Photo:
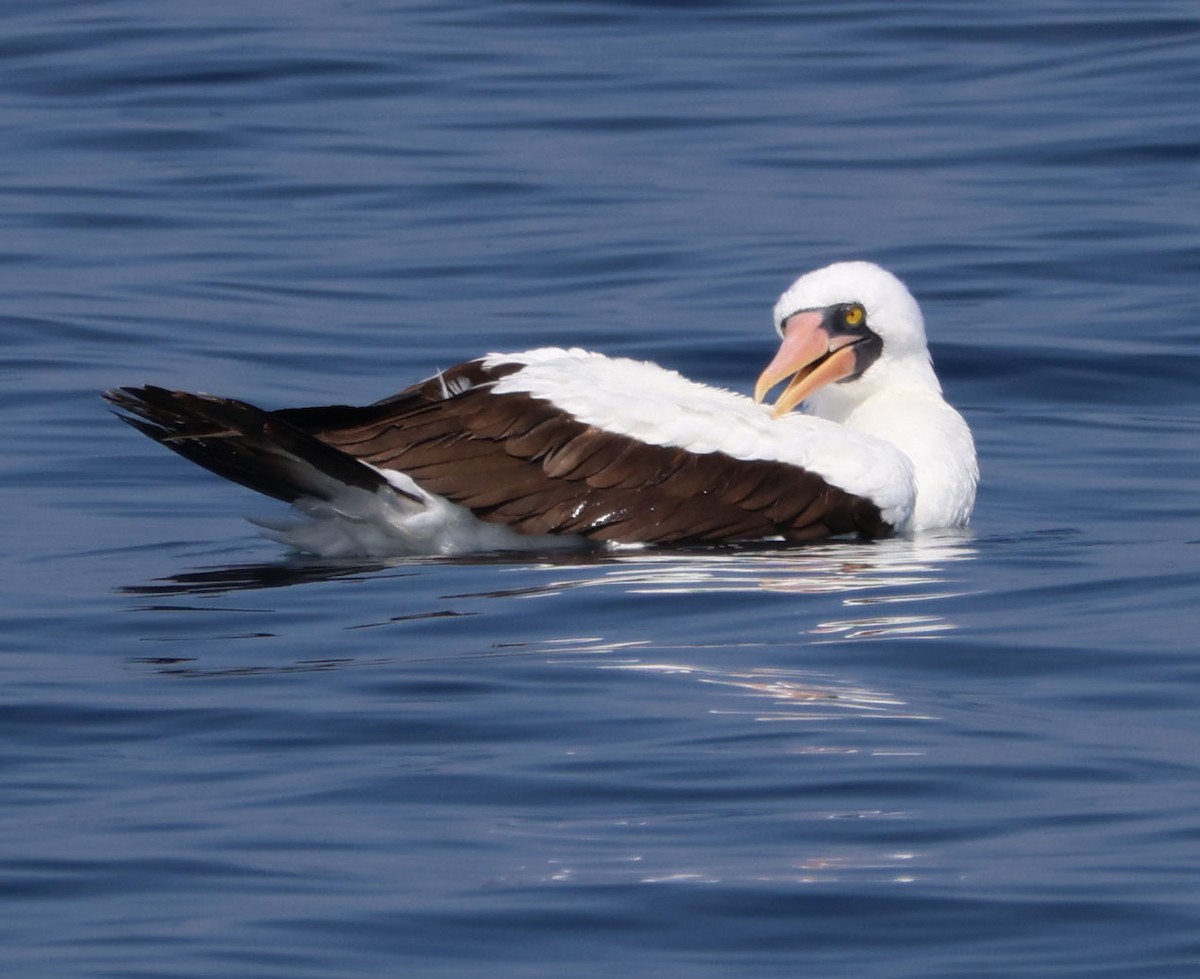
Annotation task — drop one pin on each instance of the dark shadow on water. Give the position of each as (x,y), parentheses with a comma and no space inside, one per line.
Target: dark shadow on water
(300,570)
(253,577)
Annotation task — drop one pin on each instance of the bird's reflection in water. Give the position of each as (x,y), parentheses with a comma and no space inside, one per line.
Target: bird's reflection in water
(869,578)
(879,572)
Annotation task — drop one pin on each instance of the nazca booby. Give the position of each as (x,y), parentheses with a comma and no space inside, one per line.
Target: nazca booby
(561,447)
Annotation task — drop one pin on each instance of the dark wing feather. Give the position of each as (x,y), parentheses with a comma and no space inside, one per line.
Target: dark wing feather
(245,444)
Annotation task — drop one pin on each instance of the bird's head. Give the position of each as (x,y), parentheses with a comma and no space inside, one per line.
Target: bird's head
(853,324)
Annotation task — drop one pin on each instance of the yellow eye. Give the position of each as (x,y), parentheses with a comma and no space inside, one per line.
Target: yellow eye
(854,315)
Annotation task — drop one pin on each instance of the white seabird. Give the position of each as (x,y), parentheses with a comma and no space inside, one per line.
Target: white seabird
(563,447)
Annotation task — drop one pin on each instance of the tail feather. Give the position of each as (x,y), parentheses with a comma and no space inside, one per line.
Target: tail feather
(247,445)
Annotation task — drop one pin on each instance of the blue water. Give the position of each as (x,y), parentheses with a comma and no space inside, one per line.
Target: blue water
(970,755)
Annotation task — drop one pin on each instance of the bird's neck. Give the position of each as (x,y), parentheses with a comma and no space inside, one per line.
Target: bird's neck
(912,415)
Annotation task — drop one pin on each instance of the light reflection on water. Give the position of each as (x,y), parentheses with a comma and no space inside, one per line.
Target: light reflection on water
(790,706)
(819,569)
(794,695)
(900,571)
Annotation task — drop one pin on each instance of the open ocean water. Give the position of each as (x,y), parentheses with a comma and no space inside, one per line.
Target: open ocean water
(966,755)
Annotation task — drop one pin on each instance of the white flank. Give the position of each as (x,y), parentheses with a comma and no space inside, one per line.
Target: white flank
(360,523)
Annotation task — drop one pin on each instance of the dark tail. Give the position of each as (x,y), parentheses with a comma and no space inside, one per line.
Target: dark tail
(245,444)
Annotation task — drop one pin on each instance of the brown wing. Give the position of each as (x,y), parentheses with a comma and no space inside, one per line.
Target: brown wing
(517,460)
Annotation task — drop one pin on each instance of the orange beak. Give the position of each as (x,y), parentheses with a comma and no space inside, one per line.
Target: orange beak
(811,354)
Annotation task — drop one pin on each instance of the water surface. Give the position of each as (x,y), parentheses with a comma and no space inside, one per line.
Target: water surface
(969,754)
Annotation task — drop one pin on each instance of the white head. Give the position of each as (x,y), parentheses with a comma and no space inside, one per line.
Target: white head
(851,324)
